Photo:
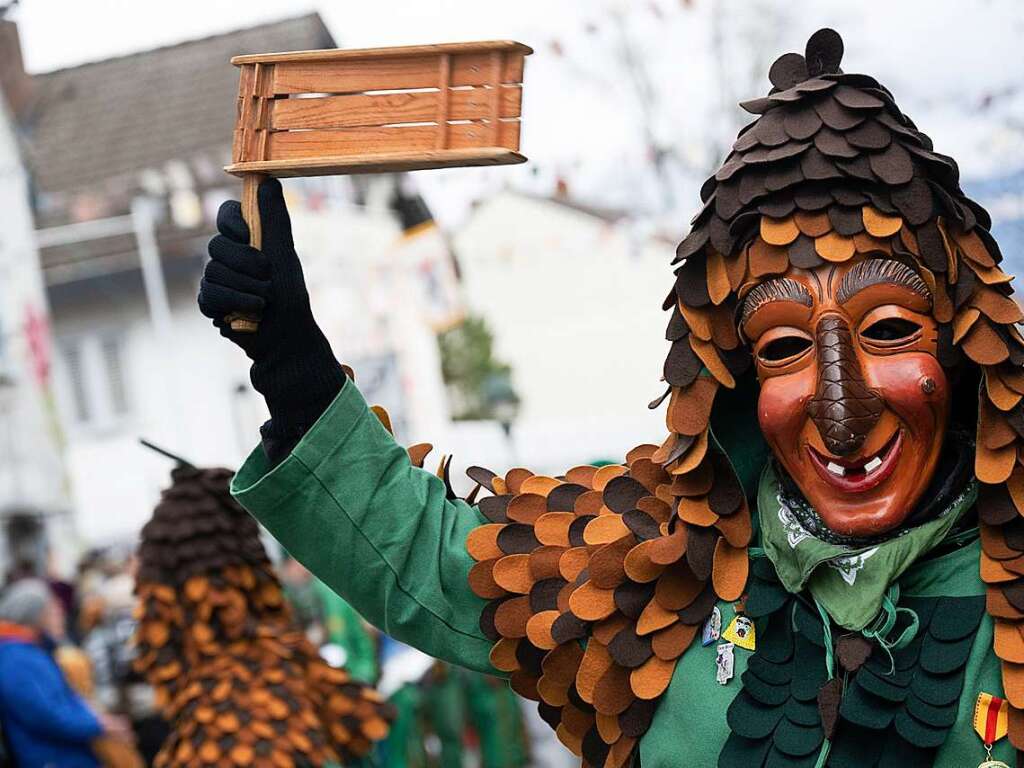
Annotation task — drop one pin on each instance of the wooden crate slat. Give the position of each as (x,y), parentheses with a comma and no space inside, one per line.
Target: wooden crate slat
(444,77)
(495,64)
(396,51)
(297,145)
(388,74)
(467,135)
(475,69)
(245,90)
(380,162)
(356,110)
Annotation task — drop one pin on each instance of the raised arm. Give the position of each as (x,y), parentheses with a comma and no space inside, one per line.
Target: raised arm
(329,482)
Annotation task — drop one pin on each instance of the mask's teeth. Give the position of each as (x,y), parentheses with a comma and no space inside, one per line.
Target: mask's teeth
(835,469)
(872,465)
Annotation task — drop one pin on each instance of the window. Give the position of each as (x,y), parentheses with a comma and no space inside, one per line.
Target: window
(111,348)
(96,386)
(76,381)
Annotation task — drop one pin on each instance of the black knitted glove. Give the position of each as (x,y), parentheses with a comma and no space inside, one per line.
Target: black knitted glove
(293,366)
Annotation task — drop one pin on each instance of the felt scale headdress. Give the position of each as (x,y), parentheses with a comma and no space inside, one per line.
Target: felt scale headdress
(236,679)
(630,559)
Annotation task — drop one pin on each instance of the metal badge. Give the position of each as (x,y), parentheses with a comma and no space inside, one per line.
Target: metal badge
(712,630)
(724,663)
(740,632)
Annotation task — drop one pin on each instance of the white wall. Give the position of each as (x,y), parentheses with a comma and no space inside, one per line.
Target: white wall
(31,471)
(575,307)
(180,396)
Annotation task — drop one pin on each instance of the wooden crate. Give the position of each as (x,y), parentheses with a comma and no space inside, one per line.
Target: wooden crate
(324,112)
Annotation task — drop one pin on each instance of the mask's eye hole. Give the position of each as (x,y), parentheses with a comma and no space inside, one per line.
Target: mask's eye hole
(891,329)
(783,348)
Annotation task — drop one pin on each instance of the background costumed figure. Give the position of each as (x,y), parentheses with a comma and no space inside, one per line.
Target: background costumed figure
(238,681)
(836,496)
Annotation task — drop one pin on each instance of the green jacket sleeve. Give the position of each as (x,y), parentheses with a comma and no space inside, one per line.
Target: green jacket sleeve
(349,505)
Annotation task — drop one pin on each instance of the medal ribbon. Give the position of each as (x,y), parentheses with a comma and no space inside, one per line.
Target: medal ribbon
(990,718)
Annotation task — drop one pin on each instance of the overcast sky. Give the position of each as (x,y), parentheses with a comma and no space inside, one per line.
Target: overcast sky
(956,67)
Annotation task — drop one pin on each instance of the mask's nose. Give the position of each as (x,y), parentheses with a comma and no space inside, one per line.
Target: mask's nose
(843,408)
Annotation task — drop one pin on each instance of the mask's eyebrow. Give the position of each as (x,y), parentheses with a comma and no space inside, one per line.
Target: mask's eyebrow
(780,289)
(881,272)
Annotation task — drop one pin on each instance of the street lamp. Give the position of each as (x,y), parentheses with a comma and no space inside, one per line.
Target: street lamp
(503,404)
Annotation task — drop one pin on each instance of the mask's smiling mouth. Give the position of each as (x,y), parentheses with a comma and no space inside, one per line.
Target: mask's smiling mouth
(859,474)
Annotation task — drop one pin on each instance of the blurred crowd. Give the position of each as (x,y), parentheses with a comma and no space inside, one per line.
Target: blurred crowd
(69,696)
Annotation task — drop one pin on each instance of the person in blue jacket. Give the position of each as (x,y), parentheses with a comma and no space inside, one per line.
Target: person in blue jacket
(44,722)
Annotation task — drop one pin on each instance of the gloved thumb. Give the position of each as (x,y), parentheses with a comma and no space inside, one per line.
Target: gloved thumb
(276,224)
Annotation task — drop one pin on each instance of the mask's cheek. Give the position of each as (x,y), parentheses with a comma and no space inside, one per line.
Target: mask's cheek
(914,387)
(782,413)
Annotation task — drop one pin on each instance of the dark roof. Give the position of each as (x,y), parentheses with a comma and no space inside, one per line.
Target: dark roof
(109,119)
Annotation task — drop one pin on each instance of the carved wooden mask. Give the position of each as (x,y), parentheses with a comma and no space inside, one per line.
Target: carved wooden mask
(853,401)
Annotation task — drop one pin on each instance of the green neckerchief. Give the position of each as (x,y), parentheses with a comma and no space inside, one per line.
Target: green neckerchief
(849,582)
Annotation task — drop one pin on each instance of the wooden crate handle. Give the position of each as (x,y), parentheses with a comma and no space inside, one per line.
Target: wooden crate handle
(251,213)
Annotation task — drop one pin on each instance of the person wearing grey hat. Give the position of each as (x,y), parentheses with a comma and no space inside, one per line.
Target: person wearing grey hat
(44,722)
(31,603)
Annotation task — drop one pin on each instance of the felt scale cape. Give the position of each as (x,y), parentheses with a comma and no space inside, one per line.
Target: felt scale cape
(236,679)
(599,579)
(897,708)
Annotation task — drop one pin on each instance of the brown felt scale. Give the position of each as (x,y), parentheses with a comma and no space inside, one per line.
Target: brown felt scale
(634,557)
(237,680)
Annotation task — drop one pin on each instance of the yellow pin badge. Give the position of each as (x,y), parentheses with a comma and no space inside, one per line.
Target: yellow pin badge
(990,723)
(740,632)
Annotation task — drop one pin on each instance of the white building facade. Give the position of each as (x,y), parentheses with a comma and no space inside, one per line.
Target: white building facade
(34,502)
(573,298)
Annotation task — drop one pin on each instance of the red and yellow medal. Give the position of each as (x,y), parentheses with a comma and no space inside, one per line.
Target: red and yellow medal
(990,723)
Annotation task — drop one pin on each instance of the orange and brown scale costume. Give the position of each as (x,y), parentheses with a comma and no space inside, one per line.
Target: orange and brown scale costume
(237,680)
(599,579)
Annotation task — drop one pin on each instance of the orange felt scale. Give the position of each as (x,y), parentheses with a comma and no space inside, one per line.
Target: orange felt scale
(689,410)
(963,323)
(691,461)
(639,566)
(527,506)
(812,224)
(865,243)
(766,259)
(993,430)
(736,268)
(729,574)
(708,354)
(878,224)
(698,320)
(778,231)
(996,307)
(512,573)
(994,572)
(515,478)
(984,346)
(696,512)
(719,284)
(1000,392)
(834,247)
(994,466)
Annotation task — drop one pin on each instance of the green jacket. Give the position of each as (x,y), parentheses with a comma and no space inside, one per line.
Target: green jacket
(348,504)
